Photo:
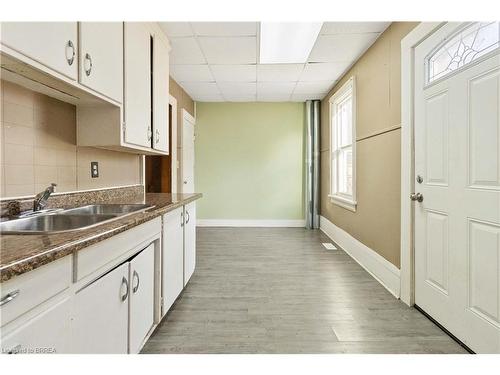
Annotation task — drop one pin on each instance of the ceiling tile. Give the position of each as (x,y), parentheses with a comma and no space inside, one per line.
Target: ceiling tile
(265,97)
(341,48)
(275,88)
(191,73)
(225,28)
(185,51)
(240,98)
(240,50)
(304,97)
(174,29)
(237,88)
(200,88)
(353,27)
(318,87)
(234,73)
(323,71)
(208,98)
(279,72)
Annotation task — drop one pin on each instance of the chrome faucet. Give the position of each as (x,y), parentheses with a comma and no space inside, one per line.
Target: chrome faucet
(41,198)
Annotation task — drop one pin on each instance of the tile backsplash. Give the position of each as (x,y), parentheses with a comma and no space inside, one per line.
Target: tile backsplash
(38,146)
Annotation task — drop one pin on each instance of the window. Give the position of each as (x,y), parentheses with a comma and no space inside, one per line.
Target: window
(469,44)
(343,146)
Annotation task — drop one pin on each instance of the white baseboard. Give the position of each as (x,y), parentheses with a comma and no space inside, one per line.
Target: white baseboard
(250,223)
(381,269)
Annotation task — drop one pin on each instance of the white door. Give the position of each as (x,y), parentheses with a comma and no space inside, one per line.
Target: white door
(137,95)
(101,58)
(100,317)
(141,297)
(187,153)
(189,240)
(457,167)
(46,333)
(160,95)
(53,44)
(173,257)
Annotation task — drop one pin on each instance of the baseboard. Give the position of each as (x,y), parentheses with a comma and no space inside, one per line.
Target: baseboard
(381,269)
(250,223)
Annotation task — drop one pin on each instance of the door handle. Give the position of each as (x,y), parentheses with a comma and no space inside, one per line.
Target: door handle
(88,69)
(70,46)
(187,214)
(135,275)
(125,282)
(417,197)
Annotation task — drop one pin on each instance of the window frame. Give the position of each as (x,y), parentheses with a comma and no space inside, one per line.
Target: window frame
(341,199)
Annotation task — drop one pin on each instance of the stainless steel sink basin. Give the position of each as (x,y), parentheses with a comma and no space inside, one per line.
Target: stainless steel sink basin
(105,209)
(55,223)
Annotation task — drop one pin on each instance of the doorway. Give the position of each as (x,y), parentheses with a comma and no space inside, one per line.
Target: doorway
(456,196)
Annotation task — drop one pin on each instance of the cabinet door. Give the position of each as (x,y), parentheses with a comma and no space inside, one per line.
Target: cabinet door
(101,58)
(137,95)
(100,321)
(160,95)
(189,241)
(53,44)
(141,297)
(46,333)
(173,257)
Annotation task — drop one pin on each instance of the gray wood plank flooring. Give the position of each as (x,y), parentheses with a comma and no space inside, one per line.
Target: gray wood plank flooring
(278,290)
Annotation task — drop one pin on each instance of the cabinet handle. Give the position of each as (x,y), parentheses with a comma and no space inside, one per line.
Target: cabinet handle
(15,350)
(182,219)
(125,282)
(71,46)
(157,136)
(89,69)
(9,297)
(135,275)
(188,217)
(150,133)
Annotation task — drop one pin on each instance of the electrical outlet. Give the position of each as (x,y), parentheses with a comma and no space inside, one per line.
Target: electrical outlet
(94,169)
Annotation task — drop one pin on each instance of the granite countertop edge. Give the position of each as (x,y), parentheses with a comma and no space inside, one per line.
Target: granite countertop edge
(55,252)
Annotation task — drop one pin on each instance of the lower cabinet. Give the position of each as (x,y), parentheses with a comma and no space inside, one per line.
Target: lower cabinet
(114,314)
(46,333)
(189,241)
(173,257)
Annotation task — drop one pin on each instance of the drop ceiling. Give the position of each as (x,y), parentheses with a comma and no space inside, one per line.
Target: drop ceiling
(219,61)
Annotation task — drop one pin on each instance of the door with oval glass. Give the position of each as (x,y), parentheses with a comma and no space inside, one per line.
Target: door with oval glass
(457,197)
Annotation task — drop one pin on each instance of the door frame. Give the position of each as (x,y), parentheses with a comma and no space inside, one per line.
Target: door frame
(185,116)
(408,45)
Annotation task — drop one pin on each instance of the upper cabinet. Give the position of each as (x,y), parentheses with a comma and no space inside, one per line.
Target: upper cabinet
(52,44)
(101,58)
(137,103)
(160,93)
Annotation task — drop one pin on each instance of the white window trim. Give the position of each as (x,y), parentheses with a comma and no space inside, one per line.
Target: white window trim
(342,200)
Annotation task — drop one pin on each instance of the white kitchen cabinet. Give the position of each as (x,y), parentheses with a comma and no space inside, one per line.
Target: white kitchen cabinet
(160,94)
(141,276)
(173,257)
(53,44)
(101,58)
(189,240)
(48,332)
(137,95)
(100,321)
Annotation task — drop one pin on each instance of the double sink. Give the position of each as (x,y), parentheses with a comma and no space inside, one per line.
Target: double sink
(72,219)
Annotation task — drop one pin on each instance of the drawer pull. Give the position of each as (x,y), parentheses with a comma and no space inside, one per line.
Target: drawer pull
(9,297)
(134,276)
(125,282)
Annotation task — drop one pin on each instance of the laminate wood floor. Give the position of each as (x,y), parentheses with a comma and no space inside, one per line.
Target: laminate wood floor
(278,290)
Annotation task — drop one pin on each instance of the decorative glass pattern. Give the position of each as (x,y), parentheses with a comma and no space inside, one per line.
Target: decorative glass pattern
(468,45)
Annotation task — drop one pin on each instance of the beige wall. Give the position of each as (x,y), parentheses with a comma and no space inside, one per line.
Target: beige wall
(183,101)
(376,222)
(38,146)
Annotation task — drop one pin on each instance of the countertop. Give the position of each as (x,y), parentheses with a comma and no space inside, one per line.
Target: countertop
(23,253)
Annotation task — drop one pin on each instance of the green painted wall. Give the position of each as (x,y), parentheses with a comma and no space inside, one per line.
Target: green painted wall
(250,160)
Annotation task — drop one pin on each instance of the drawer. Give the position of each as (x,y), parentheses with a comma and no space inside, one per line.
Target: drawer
(108,253)
(32,288)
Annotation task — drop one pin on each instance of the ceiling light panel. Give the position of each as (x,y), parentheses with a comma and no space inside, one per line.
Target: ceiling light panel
(287,42)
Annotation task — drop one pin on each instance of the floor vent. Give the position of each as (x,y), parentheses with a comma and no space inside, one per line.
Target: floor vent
(329,246)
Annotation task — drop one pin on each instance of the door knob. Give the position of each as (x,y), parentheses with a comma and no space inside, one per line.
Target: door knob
(417,197)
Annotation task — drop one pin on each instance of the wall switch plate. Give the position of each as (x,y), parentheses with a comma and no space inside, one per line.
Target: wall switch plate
(94,169)
(329,246)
